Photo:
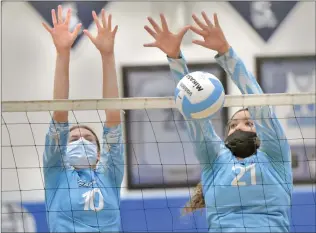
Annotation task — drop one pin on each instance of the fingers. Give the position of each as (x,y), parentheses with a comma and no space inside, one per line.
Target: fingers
(88,34)
(106,22)
(198,31)
(114,31)
(48,28)
(216,22)
(68,17)
(110,22)
(60,14)
(103,18)
(59,18)
(154,24)
(150,31)
(96,20)
(199,42)
(206,19)
(150,45)
(76,31)
(199,23)
(183,31)
(164,23)
(54,19)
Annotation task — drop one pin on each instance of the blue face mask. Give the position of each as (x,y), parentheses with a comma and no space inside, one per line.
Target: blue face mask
(82,153)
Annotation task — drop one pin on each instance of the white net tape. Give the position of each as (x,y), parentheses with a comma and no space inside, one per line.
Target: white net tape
(154,102)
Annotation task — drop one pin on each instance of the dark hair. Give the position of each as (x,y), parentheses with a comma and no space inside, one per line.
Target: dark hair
(197,200)
(91,130)
(228,123)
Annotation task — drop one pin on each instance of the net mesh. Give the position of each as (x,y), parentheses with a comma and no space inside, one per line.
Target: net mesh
(158,152)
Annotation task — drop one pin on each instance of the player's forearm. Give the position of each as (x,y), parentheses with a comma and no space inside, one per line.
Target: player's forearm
(178,67)
(61,83)
(53,156)
(113,152)
(110,88)
(207,143)
(237,71)
(55,142)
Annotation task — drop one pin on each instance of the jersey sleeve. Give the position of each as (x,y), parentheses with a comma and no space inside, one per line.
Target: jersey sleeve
(55,148)
(272,137)
(112,155)
(208,145)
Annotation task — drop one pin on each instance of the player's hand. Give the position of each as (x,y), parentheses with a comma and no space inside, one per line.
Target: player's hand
(62,37)
(166,41)
(104,41)
(212,34)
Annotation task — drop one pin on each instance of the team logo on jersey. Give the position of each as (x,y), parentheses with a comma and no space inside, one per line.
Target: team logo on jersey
(83,183)
(264,16)
(81,13)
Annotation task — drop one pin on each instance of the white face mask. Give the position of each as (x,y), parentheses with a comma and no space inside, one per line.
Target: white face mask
(82,153)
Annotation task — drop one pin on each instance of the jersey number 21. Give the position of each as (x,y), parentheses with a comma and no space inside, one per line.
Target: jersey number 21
(89,200)
(242,170)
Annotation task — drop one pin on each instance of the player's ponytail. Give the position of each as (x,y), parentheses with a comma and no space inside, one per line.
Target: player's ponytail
(196,201)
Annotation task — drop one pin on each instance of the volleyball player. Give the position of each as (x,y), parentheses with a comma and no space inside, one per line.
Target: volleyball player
(82,183)
(246,180)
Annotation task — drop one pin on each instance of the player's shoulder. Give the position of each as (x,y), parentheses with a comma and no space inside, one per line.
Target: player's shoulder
(224,156)
(261,156)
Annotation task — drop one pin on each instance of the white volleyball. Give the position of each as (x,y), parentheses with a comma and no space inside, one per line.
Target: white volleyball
(199,95)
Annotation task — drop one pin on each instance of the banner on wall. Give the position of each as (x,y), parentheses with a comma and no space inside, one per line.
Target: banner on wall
(264,16)
(81,12)
(159,152)
(294,74)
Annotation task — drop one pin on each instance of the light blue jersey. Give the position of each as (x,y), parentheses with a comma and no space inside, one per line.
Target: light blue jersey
(84,200)
(249,195)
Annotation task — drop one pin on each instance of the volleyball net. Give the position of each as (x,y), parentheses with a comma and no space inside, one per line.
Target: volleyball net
(158,153)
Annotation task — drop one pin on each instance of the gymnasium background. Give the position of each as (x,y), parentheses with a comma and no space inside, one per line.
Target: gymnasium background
(281,32)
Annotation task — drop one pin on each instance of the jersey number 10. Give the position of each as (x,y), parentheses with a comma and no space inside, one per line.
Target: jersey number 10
(89,200)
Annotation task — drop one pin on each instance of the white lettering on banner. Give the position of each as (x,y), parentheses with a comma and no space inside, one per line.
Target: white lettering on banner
(262,16)
(74,20)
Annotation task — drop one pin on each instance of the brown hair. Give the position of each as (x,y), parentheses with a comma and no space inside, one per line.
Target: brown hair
(197,200)
(91,130)
(228,123)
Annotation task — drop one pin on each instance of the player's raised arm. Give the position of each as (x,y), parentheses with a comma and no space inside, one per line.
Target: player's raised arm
(63,40)
(268,127)
(113,150)
(207,143)
(57,136)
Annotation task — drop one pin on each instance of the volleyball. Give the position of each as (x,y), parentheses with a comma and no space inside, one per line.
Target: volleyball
(199,95)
